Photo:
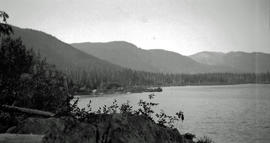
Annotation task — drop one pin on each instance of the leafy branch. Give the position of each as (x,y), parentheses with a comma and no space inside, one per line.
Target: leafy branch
(145,109)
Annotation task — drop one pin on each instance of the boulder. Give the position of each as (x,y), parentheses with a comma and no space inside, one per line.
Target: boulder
(103,128)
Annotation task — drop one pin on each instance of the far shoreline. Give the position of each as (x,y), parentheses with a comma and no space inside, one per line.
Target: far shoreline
(121,93)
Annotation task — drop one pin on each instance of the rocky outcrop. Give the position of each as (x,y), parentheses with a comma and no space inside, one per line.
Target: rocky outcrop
(115,128)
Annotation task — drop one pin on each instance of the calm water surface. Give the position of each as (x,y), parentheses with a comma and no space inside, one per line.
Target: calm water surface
(231,113)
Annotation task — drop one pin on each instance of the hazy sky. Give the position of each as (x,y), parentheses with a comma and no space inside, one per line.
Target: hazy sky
(183,26)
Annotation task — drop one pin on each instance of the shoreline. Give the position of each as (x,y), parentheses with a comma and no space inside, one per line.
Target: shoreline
(126,93)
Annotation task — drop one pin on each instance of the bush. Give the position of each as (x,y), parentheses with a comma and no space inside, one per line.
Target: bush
(145,109)
(167,120)
(126,108)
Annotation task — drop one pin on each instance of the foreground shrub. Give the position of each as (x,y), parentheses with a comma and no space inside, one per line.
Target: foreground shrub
(145,109)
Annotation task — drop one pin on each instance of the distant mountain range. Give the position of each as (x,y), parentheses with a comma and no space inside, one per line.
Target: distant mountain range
(240,61)
(118,55)
(129,56)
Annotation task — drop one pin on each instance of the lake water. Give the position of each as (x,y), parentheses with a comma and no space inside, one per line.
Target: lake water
(231,113)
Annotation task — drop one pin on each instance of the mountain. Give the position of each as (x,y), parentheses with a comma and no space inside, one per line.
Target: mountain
(172,62)
(115,55)
(128,55)
(119,53)
(59,53)
(240,61)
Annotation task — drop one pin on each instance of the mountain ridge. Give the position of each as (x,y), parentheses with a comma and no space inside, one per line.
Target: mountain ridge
(254,62)
(157,60)
(57,52)
(130,56)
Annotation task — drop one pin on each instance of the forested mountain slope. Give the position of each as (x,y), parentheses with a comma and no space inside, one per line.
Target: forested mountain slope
(59,53)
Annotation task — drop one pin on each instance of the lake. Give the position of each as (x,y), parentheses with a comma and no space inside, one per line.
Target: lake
(230,113)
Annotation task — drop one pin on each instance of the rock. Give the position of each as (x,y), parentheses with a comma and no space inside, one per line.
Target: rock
(115,128)
(56,130)
(20,138)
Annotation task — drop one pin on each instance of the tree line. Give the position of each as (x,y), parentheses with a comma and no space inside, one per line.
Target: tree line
(98,79)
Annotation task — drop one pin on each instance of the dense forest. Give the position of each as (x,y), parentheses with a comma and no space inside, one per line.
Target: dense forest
(95,79)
